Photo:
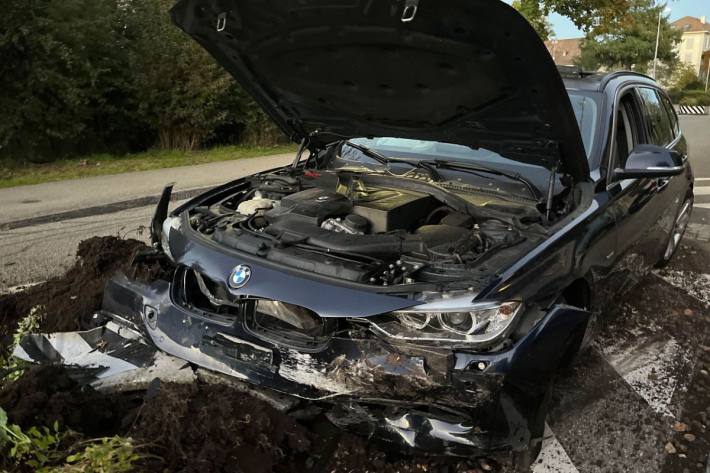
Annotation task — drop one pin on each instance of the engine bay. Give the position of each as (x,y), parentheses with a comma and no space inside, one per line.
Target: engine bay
(356,227)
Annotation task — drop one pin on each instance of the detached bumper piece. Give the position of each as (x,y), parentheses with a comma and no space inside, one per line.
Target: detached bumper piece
(107,357)
(437,400)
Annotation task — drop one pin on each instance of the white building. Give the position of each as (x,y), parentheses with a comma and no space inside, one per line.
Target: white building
(695,42)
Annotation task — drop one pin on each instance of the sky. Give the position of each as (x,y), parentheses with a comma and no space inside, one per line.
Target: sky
(564,28)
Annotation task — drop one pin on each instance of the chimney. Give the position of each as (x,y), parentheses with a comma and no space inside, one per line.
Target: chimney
(702,20)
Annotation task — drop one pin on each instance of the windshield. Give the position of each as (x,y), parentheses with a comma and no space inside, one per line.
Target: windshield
(585,110)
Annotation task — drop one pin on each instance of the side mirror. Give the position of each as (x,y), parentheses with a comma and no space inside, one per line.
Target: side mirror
(651,161)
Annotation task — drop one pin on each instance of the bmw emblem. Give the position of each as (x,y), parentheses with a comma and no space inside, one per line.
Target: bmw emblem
(240,276)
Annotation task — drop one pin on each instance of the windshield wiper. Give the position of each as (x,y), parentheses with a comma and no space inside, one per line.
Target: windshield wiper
(457,165)
(382,159)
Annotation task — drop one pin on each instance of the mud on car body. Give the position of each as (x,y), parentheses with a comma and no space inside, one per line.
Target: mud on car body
(455,218)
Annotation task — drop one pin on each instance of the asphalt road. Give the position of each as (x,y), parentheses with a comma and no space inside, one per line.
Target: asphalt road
(697,131)
(28,203)
(41,225)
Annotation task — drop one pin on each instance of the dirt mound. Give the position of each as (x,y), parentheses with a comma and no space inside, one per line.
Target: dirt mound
(206,428)
(45,394)
(355,454)
(214,428)
(70,299)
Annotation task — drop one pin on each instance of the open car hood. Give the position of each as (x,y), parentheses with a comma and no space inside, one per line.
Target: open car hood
(468,72)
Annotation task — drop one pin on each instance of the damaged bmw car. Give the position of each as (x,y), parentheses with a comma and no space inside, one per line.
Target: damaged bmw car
(458,214)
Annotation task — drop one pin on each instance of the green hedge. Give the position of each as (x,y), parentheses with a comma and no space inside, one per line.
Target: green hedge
(690,97)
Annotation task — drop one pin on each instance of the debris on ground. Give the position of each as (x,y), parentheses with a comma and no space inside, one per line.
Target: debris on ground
(216,427)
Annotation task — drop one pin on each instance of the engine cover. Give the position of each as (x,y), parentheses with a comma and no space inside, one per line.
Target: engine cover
(312,206)
(392,209)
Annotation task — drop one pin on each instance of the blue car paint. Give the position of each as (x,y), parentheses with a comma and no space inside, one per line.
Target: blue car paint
(498,403)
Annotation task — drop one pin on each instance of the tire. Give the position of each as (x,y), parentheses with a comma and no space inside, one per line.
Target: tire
(676,235)
(523,460)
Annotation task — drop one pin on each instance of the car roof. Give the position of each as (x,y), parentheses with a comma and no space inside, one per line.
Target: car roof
(577,79)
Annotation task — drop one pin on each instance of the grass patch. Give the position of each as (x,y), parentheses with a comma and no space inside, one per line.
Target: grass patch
(12,175)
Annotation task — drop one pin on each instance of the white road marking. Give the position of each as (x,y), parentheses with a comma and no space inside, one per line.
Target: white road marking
(553,457)
(702,190)
(697,285)
(701,206)
(651,368)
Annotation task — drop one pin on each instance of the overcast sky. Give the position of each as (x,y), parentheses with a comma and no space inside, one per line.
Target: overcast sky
(564,28)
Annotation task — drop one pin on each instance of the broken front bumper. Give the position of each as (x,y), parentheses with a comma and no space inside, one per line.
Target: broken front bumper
(438,400)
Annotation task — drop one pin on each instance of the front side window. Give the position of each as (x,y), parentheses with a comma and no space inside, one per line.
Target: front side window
(626,133)
(657,121)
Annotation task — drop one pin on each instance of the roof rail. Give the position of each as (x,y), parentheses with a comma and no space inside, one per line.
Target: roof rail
(613,75)
(574,72)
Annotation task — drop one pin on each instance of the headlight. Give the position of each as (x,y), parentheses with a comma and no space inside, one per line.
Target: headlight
(443,321)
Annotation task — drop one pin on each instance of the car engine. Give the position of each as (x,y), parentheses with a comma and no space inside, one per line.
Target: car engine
(341,225)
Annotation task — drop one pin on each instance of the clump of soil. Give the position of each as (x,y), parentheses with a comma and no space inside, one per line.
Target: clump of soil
(214,428)
(207,428)
(45,394)
(72,298)
(354,454)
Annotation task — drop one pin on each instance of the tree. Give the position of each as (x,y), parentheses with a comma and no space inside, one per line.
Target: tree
(536,15)
(631,44)
(61,63)
(184,95)
(178,85)
(588,15)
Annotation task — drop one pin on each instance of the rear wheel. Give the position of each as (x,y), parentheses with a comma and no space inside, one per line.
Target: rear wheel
(679,226)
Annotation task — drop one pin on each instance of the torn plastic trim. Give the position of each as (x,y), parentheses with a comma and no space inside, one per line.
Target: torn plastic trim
(161,213)
(128,300)
(498,395)
(345,366)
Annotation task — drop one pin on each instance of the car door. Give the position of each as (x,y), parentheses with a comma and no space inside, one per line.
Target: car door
(663,130)
(645,207)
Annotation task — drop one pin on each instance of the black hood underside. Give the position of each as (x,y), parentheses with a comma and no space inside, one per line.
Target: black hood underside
(469,72)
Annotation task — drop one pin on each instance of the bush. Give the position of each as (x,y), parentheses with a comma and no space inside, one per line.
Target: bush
(694,97)
(686,78)
(94,76)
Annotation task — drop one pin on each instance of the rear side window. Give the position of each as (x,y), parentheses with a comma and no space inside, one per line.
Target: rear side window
(671,113)
(657,120)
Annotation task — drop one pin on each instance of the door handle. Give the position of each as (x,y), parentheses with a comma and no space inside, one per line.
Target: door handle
(662,183)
